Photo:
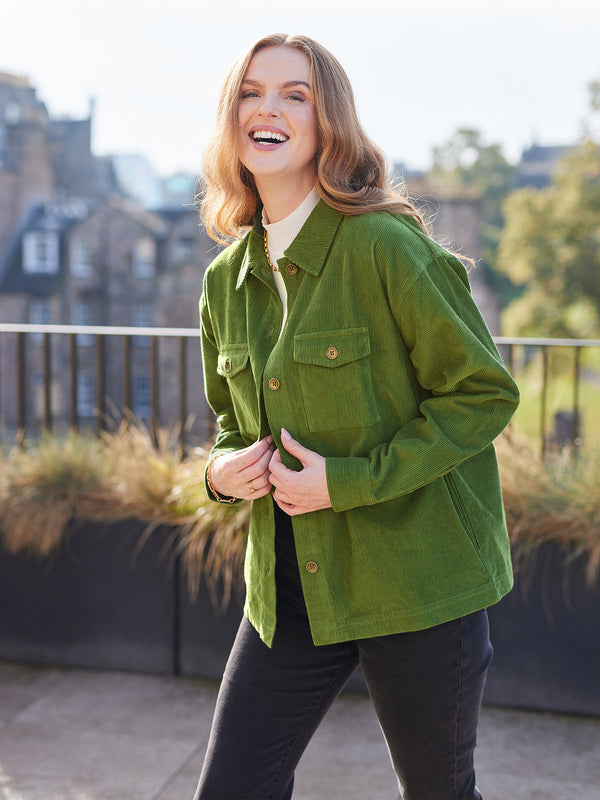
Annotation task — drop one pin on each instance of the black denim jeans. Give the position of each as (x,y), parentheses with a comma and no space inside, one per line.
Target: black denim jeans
(426,688)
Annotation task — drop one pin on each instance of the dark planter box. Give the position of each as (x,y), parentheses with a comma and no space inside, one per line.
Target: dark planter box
(206,632)
(102,601)
(546,638)
(107,603)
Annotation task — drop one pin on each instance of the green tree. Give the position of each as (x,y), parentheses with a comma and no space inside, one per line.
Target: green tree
(467,162)
(550,246)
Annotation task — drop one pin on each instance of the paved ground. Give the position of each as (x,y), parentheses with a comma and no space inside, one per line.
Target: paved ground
(84,735)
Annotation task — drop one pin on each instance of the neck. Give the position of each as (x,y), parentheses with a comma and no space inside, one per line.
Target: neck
(280,198)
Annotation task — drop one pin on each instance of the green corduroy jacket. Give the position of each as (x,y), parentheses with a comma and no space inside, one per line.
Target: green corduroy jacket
(387,369)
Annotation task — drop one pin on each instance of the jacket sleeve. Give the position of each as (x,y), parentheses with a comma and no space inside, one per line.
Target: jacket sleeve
(468,396)
(217,392)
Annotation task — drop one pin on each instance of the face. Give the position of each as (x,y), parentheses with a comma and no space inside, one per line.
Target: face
(277,125)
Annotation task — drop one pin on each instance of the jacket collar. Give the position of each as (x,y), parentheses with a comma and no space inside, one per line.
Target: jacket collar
(308,250)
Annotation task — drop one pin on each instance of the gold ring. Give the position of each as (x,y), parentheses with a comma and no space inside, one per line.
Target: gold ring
(250,487)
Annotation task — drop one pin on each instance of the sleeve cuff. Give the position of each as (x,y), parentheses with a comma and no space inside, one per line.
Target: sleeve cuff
(349,483)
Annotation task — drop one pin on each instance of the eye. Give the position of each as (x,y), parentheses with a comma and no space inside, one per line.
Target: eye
(297,97)
(248,93)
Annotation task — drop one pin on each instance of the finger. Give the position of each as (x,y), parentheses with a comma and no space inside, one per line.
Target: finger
(259,483)
(257,472)
(290,509)
(250,455)
(279,474)
(294,448)
(281,496)
(275,460)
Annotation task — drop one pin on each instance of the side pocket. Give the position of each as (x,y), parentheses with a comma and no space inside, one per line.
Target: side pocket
(461,510)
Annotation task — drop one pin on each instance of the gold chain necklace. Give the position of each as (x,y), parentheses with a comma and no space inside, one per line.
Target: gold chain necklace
(266,243)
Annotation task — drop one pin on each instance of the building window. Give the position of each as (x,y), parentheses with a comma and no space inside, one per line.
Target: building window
(81,259)
(183,249)
(141,318)
(143,259)
(142,396)
(85,395)
(83,314)
(40,252)
(40,313)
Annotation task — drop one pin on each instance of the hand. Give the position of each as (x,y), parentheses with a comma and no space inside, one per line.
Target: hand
(244,473)
(299,492)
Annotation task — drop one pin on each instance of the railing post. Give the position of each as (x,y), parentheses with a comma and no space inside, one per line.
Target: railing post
(127,404)
(155,389)
(182,390)
(73,372)
(510,359)
(21,389)
(100,382)
(576,430)
(47,383)
(543,399)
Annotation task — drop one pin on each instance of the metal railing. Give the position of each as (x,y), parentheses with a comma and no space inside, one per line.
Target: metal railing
(575,347)
(59,354)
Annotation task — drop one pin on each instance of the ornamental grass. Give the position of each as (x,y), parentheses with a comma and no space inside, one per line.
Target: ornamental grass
(554,500)
(133,473)
(129,473)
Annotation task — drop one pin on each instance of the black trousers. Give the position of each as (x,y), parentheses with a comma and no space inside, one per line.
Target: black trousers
(426,688)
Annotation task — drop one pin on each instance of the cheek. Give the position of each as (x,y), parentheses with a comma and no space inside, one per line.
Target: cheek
(312,124)
(242,139)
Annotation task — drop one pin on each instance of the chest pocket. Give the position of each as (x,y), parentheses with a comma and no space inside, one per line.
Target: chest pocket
(232,360)
(336,381)
(233,364)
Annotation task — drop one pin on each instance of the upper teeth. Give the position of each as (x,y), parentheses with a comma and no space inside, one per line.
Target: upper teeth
(279,137)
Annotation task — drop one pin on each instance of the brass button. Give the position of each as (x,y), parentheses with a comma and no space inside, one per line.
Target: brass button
(291,269)
(332,353)
(274,384)
(228,366)
(312,567)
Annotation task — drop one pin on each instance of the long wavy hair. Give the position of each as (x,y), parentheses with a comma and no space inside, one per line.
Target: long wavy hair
(351,169)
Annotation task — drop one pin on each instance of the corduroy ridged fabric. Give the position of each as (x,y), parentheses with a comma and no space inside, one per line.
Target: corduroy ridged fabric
(387,369)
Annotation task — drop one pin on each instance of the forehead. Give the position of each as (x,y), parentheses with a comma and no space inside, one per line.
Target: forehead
(279,63)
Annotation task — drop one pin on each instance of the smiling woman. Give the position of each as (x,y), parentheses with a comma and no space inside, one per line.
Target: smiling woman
(358,393)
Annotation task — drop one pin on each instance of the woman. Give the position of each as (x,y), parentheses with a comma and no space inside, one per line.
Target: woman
(358,392)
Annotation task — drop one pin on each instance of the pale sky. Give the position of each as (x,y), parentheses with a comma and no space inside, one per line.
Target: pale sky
(516,70)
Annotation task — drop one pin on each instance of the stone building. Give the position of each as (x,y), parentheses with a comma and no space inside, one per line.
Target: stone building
(74,250)
(108,263)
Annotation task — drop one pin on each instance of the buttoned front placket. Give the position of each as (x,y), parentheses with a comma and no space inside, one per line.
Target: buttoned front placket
(264,315)
(277,398)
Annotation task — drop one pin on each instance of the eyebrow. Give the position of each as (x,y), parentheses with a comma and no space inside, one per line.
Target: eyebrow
(285,85)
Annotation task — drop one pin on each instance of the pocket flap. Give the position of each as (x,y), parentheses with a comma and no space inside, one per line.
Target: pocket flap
(332,348)
(232,360)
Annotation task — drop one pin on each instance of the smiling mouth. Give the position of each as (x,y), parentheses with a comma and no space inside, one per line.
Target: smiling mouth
(268,137)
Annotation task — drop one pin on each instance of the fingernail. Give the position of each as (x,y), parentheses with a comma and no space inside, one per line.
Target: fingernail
(285,434)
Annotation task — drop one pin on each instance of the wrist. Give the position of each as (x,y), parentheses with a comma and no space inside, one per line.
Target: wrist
(220,498)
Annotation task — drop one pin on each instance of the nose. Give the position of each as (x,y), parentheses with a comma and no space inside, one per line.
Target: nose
(268,107)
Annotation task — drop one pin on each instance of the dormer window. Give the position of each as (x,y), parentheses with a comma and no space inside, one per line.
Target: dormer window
(40,252)
(143,258)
